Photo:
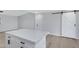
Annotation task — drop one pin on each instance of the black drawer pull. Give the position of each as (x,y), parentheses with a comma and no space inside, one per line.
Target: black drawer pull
(21,47)
(22,42)
(8,41)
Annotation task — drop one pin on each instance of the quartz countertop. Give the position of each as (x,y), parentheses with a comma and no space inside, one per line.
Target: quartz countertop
(31,35)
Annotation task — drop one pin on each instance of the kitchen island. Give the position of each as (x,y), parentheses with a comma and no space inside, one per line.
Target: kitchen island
(26,38)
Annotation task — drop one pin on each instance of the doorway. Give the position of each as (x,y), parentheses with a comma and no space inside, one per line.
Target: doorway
(69,24)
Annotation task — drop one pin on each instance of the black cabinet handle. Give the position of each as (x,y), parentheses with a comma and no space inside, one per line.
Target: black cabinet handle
(22,42)
(21,47)
(8,41)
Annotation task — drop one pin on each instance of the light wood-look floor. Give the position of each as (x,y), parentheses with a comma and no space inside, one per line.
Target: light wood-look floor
(2,40)
(61,42)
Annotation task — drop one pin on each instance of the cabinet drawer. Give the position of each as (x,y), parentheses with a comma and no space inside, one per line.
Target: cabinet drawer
(16,42)
(25,43)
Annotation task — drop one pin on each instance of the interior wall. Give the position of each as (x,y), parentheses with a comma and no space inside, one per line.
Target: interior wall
(66,25)
(38,21)
(45,22)
(27,21)
(8,22)
(51,23)
(77,24)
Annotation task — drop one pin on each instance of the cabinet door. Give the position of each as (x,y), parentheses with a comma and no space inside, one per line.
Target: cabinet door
(11,41)
(16,42)
(69,24)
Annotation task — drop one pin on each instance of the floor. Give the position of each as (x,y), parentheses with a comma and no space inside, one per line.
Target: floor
(2,39)
(61,42)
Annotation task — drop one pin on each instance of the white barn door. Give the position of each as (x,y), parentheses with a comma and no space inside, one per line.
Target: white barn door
(69,24)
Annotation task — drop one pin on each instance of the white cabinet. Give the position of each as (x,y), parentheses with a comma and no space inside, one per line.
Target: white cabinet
(16,42)
(7,23)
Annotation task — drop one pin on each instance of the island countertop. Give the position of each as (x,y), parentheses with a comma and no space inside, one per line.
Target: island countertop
(28,34)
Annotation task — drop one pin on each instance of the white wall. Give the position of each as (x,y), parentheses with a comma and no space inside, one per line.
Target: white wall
(45,22)
(51,23)
(38,21)
(27,21)
(77,24)
(8,22)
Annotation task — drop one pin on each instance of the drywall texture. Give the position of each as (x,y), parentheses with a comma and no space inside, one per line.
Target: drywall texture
(27,21)
(51,23)
(38,21)
(77,24)
(8,23)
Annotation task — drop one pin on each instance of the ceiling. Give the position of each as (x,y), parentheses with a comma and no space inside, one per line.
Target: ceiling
(14,12)
(22,12)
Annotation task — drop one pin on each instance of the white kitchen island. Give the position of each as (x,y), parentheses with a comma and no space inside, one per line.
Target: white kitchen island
(26,38)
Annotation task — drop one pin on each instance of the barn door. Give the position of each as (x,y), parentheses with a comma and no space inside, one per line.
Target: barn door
(69,24)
